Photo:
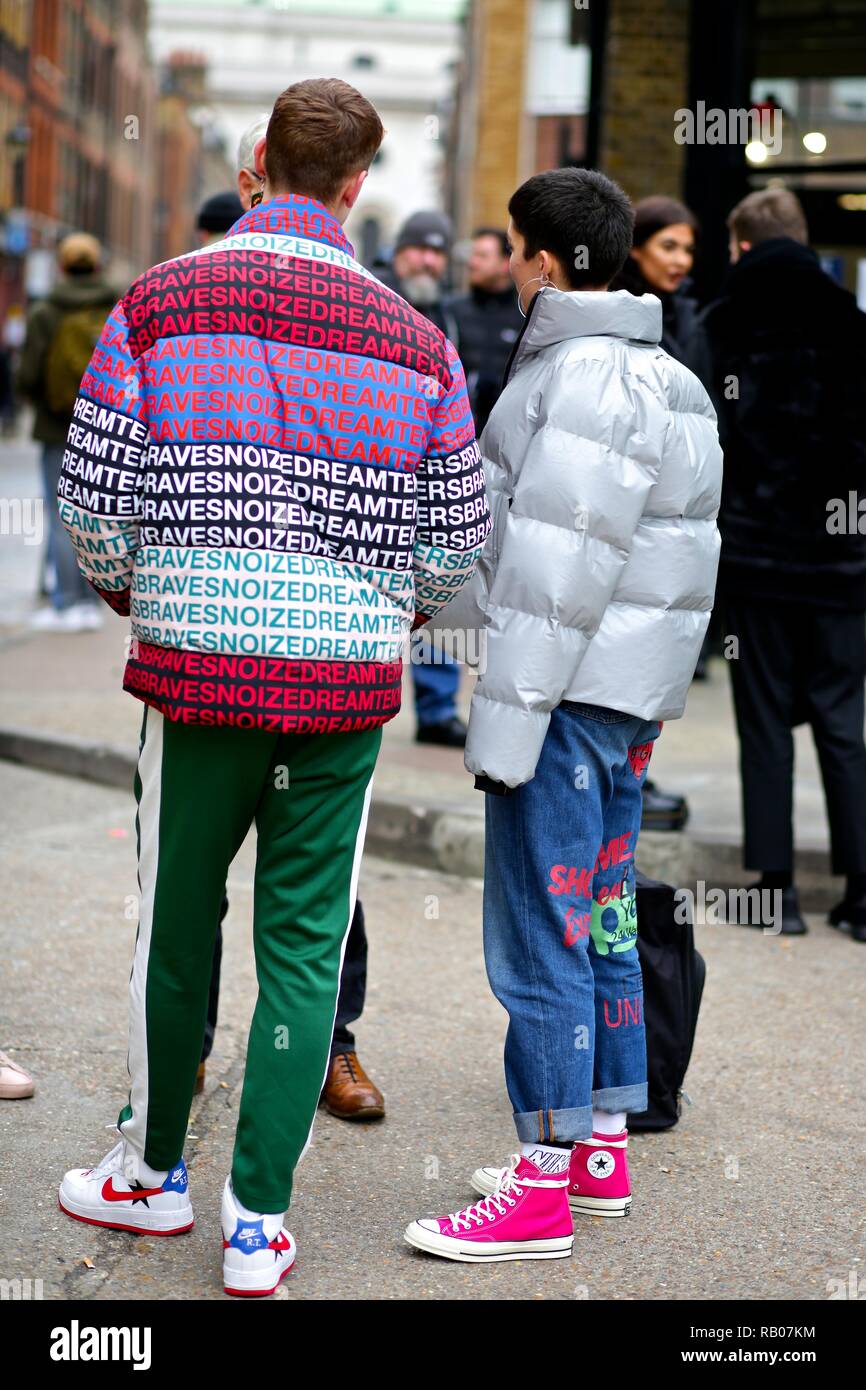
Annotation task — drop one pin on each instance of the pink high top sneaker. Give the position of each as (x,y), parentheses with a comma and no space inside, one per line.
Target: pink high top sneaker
(598,1182)
(525,1217)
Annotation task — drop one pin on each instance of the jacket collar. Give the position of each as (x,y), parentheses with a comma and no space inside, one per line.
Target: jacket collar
(291,214)
(555,316)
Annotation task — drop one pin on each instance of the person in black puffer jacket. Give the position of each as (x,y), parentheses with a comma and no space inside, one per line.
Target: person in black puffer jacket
(783,355)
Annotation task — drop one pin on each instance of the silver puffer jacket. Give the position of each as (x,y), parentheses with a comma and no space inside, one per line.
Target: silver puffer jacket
(604,473)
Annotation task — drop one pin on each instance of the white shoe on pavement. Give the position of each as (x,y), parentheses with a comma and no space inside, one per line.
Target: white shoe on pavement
(105,1196)
(257,1252)
(79,617)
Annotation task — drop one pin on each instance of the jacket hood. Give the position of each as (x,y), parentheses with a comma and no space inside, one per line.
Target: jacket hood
(555,316)
(78,292)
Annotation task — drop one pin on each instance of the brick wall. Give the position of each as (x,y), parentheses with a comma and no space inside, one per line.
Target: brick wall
(501,129)
(646,80)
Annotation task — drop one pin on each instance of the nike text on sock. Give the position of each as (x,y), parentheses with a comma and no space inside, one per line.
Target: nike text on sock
(603,1122)
(550,1158)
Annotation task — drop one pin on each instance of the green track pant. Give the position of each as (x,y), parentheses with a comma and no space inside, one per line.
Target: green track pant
(199,790)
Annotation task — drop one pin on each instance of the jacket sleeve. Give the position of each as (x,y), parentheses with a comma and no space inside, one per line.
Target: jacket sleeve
(580,492)
(453,518)
(699,359)
(30,372)
(99,493)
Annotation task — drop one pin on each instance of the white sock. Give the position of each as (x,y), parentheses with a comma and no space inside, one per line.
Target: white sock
(547,1157)
(136,1170)
(603,1122)
(255,1215)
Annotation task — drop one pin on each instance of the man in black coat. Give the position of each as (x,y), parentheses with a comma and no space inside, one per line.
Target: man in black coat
(783,354)
(488,320)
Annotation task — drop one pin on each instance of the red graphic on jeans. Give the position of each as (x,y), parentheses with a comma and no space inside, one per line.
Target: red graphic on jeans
(632,1007)
(577,882)
(568,879)
(616,890)
(639,756)
(577,926)
(616,851)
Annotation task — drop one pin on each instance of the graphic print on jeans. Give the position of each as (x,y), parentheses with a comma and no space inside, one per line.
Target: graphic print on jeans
(560,924)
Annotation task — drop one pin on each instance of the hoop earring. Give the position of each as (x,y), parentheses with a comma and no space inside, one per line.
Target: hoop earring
(257,197)
(545,280)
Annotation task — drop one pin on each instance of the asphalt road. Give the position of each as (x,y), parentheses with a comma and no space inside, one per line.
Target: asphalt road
(757,1194)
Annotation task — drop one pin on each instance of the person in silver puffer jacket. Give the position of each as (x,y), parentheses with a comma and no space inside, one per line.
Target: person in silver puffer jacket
(593,593)
(603,472)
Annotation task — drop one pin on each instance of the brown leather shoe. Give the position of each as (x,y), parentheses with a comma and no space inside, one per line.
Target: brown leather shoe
(199,1079)
(349,1093)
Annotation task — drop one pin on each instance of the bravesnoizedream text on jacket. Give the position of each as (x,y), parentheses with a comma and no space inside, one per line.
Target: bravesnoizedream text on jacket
(272,466)
(604,477)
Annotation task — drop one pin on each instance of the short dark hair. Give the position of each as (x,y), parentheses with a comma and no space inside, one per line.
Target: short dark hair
(321,132)
(770,212)
(498,233)
(566,210)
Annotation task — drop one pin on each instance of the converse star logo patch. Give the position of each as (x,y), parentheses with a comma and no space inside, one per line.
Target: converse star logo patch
(601,1164)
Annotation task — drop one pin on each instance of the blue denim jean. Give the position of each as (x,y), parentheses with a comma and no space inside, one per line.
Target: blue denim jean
(70,586)
(560,924)
(436,685)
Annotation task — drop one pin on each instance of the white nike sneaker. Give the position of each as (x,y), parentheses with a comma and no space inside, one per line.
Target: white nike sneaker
(105,1196)
(257,1252)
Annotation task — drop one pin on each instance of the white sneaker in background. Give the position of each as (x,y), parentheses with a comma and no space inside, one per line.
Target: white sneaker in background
(79,617)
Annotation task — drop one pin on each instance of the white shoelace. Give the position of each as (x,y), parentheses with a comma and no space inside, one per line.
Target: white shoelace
(110,1163)
(503,1196)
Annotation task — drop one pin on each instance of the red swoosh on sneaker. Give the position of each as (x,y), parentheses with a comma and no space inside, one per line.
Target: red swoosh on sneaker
(281,1243)
(108,1193)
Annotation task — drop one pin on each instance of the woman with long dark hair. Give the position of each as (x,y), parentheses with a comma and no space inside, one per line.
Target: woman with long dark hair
(659,263)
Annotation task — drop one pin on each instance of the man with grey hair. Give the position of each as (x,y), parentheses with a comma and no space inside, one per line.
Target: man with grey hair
(249,178)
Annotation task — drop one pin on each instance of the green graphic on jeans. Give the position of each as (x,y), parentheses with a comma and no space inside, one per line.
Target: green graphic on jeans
(613,924)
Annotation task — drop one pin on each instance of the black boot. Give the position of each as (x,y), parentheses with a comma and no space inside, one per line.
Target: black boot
(450,733)
(850,913)
(662,810)
(793,923)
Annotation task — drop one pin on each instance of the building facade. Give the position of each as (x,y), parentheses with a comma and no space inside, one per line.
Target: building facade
(77,102)
(400,53)
(545,83)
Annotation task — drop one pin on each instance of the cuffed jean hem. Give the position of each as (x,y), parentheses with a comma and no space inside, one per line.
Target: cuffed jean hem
(617,1098)
(542,1126)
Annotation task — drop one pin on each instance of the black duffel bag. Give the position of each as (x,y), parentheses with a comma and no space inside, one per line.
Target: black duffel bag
(673,981)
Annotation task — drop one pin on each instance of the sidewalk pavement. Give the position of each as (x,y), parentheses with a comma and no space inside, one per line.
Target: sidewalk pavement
(755,1195)
(62,708)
